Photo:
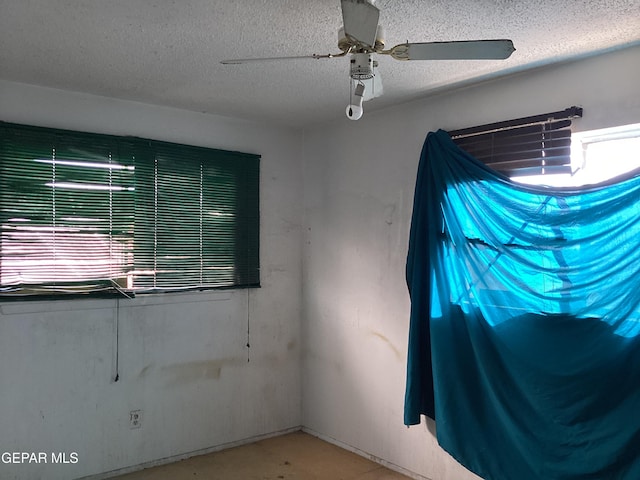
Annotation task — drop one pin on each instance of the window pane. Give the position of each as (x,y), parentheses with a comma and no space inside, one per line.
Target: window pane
(66,206)
(198,218)
(597,157)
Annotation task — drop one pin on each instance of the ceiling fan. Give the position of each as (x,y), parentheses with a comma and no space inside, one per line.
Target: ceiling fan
(362,36)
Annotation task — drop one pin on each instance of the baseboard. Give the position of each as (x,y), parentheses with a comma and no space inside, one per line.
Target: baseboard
(184,456)
(369,456)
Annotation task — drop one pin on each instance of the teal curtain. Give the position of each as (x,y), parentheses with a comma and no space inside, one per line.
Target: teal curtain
(525,316)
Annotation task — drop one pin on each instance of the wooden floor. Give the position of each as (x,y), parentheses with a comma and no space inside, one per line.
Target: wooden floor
(294,456)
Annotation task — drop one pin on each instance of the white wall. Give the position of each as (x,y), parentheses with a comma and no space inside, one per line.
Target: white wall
(182,358)
(359,181)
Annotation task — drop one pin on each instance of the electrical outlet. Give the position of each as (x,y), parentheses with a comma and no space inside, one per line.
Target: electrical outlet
(135,419)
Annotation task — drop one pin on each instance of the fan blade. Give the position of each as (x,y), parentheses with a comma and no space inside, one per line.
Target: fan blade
(240,61)
(463,50)
(360,20)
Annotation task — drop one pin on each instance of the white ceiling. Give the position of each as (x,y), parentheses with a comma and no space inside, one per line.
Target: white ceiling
(167,52)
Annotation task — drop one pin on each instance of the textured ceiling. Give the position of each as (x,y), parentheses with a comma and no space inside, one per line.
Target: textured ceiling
(167,52)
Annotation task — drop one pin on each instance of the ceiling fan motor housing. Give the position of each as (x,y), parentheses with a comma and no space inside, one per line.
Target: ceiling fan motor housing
(345,43)
(361,66)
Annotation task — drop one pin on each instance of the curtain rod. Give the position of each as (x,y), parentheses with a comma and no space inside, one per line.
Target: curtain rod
(568,113)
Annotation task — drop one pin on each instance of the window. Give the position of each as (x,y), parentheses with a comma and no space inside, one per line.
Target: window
(534,145)
(597,156)
(83,213)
